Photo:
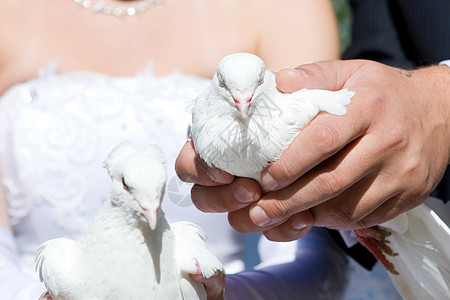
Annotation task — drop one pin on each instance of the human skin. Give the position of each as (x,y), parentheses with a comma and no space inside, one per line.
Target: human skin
(382,158)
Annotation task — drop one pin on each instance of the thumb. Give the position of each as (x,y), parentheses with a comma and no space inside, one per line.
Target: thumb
(326,75)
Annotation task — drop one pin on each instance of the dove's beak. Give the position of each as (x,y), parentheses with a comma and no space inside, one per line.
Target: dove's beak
(242,101)
(151,215)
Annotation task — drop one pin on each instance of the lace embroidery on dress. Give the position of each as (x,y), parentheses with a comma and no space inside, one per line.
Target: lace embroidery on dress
(56,129)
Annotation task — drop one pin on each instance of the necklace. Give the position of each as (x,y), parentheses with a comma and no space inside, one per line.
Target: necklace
(118,11)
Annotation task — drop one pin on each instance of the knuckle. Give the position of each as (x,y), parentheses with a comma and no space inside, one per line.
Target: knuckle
(342,217)
(414,171)
(325,139)
(374,99)
(280,209)
(286,169)
(363,223)
(313,68)
(395,138)
(329,184)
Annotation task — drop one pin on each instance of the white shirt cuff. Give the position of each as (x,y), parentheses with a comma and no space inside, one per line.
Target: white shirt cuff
(445,62)
(349,237)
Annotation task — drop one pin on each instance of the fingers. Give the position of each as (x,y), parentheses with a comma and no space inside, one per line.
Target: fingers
(191,168)
(322,138)
(45,296)
(291,80)
(236,195)
(352,208)
(327,75)
(327,133)
(349,169)
(214,286)
(293,228)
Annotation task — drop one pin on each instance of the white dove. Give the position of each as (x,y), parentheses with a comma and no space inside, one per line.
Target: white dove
(130,251)
(242,123)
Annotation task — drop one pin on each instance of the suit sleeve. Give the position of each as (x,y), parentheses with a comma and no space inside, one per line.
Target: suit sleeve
(318,260)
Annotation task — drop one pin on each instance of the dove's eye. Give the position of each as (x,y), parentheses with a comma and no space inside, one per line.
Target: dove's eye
(125,186)
(261,80)
(220,79)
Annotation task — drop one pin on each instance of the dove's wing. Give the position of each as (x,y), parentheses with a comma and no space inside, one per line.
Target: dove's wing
(422,241)
(191,253)
(193,257)
(333,102)
(55,261)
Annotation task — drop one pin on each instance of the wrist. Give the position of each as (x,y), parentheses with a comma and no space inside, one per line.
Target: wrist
(436,81)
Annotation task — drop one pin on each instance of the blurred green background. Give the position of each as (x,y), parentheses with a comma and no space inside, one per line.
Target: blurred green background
(344,16)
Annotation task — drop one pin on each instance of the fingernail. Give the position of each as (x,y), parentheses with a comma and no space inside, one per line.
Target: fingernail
(302,72)
(259,216)
(298,225)
(216,175)
(243,195)
(268,181)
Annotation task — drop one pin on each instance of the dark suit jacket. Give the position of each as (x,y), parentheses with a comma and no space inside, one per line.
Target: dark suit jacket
(401,33)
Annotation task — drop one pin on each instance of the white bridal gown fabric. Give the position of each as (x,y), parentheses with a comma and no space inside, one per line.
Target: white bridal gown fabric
(55,132)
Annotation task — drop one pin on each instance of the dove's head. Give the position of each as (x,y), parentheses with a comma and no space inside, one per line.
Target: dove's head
(138,180)
(237,78)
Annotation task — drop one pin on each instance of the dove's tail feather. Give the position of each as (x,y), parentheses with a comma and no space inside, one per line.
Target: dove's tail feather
(192,254)
(192,289)
(193,257)
(54,262)
(422,241)
(332,102)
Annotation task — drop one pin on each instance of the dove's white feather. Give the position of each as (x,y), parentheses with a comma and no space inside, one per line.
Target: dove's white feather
(57,257)
(193,257)
(122,257)
(422,240)
(245,146)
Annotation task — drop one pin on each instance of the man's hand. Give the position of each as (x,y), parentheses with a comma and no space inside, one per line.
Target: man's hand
(382,158)
(45,296)
(214,286)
